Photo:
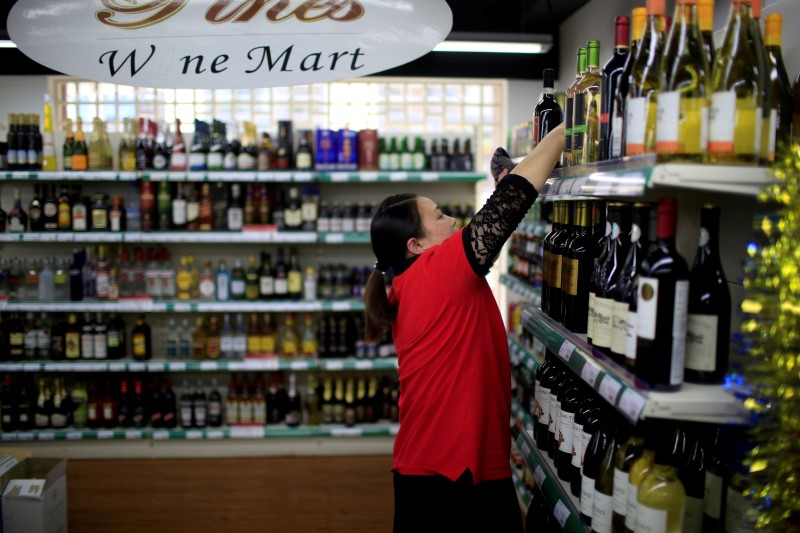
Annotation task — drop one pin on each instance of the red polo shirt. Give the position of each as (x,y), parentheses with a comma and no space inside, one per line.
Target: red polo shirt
(455,375)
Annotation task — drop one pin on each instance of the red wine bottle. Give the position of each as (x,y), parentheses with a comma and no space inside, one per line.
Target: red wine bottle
(547,114)
(662,305)
(558,254)
(709,322)
(612,75)
(571,400)
(547,256)
(577,268)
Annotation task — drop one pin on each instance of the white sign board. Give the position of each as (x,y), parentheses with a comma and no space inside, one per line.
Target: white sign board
(206,44)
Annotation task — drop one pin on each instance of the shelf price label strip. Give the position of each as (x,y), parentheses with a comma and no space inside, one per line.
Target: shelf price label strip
(548,484)
(575,353)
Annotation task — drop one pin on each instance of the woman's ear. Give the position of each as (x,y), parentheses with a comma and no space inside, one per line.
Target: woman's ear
(415,247)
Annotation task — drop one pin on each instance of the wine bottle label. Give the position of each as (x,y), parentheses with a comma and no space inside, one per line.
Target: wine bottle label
(207,289)
(603,322)
(565,430)
(577,444)
(571,270)
(160,162)
(568,111)
(87,346)
(259,413)
(632,494)
(240,344)
(267,285)
(620,492)
(647,302)
(602,511)
(139,345)
(186,414)
(616,135)
(177,161)
(542,396)
(108,411)
(226,344)
(214,160)
(693,515)
(591,317)
(740,516)
(630,346)
(712,501)
(773,133)
(41,420)
(73,343)
(281,286)
(179,212)
(200,416)
(15,225)
(649,520)
(232,411)
(197,161)
(735,125)
(701,342)
(295,282)
(245,412)
(681,124)
(235,218)
(309,210)
(268,343)
(59,420)
(546,258)
(619,327)
(100,346)
(555,270)
(214,409)
(679,316)
(238,287)
(636,125)
(587,496)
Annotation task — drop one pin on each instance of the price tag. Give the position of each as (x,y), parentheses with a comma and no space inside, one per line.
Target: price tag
(55,368)
(393,430)
(561,513)
(25,436)
(207,366)
(334,238)
(161,435)
(3,303)
(265,176)
(137,367)
(47,436)
(177,367)
(632,403)
(74,435)
(133,435)
(589,373)
(368,176)
(8,436)
(156,367)
(524,450)
(602,189)
(105,435)
(364,365)
(609,389)
(398,176)
(117,367)
(346,432)
(215,434)
(303,176)
(9,367)
(539,475)
(430,176)
(271,364)
(299,365)
(194,435)
(341,306)
(247,432)
(565,352)
(31,367)
(339,176)
(136,304)
(334,365)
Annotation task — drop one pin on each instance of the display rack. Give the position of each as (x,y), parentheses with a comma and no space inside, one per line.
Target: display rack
(526,290)
(189,237)
(520,354)
(141,305)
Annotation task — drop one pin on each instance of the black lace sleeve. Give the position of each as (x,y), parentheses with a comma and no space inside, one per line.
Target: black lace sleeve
(491,227)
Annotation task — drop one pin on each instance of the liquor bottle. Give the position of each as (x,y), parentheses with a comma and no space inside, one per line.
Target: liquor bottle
(35,210)
(661,497)
(294,405)
(17,218)
(715,482)
(198,151)
(207,287)
(223,282)
(186,412)
(247,158)
(226,350)
(593,460)
(607,287)
(281,277)
(705,12)
(205,217)
(290,342)
(269,340)
(199,405)
(213,341)
(220,206)
(577,270)
(293,214)
(232,403)
(603,499)
(141,340)
(44,406)
(566,158)
(64,210)
(3,219)
(192,209)
(99,213)
(284,155)
(309,285)
(641,107)
(547,114)
(547,256)
(80,214)
(663,292)
(115,337)
(216,148)
(66,151)
(780,88)
(238,281)
(61,409)
(79,398)
(756,39)
(235,209)
(294,277)
(629,451)
(177,160)
(251,290)
(737,94)
(100,338)
(107,407)
(681,126)
(612,77)
(164,206)
(214,405)
(147,206)
(308,339)
(558,249)
(708,323)
(586,109)
(127,146)
(87,337)
(559,377)
(80,153)
(692,474)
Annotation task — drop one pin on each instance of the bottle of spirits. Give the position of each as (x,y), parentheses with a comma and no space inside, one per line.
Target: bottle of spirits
(164,206)
(235,209)
(214,405)
(294,277)
(80,152)
(177,160)
(223,282)
(35,210)
(141,340)
(17,219)
(117,216)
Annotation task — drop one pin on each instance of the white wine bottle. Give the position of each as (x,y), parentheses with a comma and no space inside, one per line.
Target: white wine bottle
(780,87)
(682,123)
(661,498)
(586,110)
(735,118)
(762,65)
(566,157)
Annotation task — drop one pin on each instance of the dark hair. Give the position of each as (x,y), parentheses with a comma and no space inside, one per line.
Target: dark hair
(396,220)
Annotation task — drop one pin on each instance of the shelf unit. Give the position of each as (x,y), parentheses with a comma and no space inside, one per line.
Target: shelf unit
(176,366)
(194,237)
(526,290)
(633,176)
(519,353)
(141,305)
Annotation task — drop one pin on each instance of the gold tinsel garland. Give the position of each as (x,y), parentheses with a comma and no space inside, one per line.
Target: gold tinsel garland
(770,362)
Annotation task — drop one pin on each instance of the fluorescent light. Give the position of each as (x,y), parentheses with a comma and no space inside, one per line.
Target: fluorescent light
(496,43)
(7,44)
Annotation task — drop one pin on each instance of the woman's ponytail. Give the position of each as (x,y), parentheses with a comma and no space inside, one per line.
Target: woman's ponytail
(378,314)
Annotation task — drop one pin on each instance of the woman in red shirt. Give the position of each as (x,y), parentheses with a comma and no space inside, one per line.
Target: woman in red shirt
(451,455)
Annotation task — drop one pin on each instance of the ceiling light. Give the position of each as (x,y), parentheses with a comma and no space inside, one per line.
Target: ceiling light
(496,43)
(7,44)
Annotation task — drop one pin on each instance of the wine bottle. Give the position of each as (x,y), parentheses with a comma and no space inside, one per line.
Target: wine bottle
(619,215)
(709,320)
(553,417)
(661,497)
(662,300)
(629,451)
(618,126)
(539,401)
(735,118)
(638,470)
(603,501)
(571,400)
(80,153)
(544,383)
(576,271)
(682,124)
(692,475)
(603,244)
(17,219)
(558,252)
(547,256)
(556,395)
(705,12)
(642,106)
(762,65)
(593,460)
(780,89)
(612,77)
(586,108)
(547,114)
(623,342)
(587,421)
(566,157)
(714,485)
(35,210)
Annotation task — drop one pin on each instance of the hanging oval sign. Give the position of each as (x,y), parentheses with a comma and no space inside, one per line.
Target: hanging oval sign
(208,44)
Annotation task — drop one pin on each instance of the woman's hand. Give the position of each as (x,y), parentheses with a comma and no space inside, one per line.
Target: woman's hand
(501,165)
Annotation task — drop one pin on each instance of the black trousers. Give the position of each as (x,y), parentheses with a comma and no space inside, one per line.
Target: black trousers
(434,503)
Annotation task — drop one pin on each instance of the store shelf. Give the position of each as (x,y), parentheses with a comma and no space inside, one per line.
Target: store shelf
(526,290)
(632,176)
(556,493)
(521,354)
(520,415)
(141,305)
(225,237)
(535,229)
(523,493)
(246,176)
(629,395)
(344,238)
(277,431)
(246,365)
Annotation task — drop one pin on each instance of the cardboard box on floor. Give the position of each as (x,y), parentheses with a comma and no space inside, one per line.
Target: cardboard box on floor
(35,496)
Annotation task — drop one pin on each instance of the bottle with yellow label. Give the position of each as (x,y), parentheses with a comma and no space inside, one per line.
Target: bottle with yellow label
(705,13)
(682,123)
(80,152)
(735,117)
(141,340)
(253,337)
(184,280)
(48,145)
(309,337)
(269,339)
(290,343)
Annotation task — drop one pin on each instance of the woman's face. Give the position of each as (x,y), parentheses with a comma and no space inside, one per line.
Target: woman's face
(436,225)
